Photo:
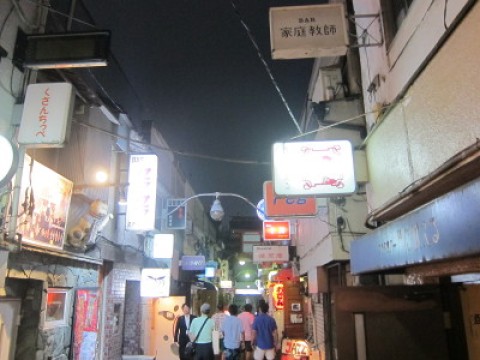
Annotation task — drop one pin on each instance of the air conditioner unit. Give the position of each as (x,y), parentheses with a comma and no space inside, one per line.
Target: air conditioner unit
(329,85)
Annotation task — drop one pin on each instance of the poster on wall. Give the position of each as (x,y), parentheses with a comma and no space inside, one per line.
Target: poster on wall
(45,201)
(85,324)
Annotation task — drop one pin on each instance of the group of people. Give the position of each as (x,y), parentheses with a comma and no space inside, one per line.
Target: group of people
(244,333)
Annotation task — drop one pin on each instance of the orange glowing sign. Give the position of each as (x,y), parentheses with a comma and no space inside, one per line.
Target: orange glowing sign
(276,230)
(278,296)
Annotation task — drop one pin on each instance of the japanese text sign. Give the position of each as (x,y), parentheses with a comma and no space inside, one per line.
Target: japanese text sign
(142,192)
(308,31)
(270,254)
(276,230)
(193,262)
(46,115)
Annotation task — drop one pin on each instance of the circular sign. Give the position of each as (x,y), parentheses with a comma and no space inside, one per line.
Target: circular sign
(261,210)
(9,162)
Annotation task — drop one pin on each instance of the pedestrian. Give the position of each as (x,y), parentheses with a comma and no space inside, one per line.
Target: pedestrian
(247,318)
(264,334)
(182,328)
(201,333)
(233,336)
(218,318)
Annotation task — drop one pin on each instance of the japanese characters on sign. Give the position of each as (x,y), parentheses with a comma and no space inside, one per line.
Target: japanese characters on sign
(308,31)
(142,192)
(193,262)
(278,296)
(177,218)
(276,230)
(313,168)
(46,115)
(270,254)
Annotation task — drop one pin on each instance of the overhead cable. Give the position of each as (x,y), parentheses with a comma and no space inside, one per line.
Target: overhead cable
(267,68)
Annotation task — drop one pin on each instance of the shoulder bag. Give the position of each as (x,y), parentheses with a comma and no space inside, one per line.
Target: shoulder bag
(190,348)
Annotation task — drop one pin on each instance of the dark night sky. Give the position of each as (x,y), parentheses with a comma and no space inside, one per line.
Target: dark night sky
(201,81)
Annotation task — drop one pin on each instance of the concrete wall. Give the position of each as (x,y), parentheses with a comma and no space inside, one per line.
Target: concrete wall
(438,115)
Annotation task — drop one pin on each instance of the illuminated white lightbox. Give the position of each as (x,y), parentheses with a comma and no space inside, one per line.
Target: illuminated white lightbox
(313,168)
(47,114)
(142,193)
(155,282)
(160,246)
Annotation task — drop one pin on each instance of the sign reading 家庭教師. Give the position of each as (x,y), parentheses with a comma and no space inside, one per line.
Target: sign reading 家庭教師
(142,192)
(310,31)
(270,254)
(313,168)
(47,114)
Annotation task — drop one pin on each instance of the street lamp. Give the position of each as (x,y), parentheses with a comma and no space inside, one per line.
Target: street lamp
(216,211)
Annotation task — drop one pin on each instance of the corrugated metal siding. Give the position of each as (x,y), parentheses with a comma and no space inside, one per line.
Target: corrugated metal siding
(319,323)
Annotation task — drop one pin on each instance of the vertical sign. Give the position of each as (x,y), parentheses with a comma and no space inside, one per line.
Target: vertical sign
(85,324)
(177,218)
(142,192)
(46,115)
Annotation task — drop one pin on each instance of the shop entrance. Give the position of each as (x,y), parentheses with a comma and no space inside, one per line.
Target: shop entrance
(470,297)
(394,322)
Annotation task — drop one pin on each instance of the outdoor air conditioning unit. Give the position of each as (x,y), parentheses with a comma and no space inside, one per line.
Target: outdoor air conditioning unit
(329,85)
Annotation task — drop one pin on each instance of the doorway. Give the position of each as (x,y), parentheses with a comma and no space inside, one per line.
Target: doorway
(470,297)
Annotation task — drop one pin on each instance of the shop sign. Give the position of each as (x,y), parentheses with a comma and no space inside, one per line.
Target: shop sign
(193,263)
(47,114)
(278,296)
(271,254)
(313,168)
(142,192)
(226,284)
(160,246)
(276,230)
(445,228)
(308,31)
(276,206)
(155,282)
(177,214)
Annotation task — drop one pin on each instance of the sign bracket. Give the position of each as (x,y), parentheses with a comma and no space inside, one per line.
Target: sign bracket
(366,39)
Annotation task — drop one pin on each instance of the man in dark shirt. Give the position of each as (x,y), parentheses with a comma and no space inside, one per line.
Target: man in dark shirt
(181,330)
(264,334)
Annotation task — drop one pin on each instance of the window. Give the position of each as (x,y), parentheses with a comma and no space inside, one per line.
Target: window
(393,14)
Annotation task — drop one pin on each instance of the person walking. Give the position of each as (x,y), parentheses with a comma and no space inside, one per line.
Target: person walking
(264,334)
(182,327)
(203,338)
(247,318)
(233,335)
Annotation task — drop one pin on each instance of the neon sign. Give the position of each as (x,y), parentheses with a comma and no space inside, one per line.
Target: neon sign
(278,296)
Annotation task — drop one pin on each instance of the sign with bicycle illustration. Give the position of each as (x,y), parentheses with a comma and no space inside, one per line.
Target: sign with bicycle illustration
(313,168)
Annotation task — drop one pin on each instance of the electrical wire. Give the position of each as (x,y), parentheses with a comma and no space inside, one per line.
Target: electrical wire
(51,9)
(265,64)
(177,152)
(323,128)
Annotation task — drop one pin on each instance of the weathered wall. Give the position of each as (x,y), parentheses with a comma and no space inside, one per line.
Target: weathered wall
(28,277)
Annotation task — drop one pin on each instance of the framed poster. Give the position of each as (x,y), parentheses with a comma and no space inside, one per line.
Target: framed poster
(49,194)
(85,324)
(57,309)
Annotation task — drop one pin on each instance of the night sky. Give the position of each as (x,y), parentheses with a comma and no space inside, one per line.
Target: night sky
(195,73)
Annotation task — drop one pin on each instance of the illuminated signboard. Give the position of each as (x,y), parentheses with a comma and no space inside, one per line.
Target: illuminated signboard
(276,206)
(271,254)
(226,284)
(46,115)
(313,168)
(160,246)
(142,192)
(276,230)
(155,283)
(278,296)
(193,263)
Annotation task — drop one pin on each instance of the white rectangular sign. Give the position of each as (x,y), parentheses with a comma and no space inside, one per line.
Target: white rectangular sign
(270,254)
(155,283)
(308,31)
(160,246)
(142,192)
(47,114)
(315,168)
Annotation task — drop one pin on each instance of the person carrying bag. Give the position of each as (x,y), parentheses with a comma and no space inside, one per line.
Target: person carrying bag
(201,341)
